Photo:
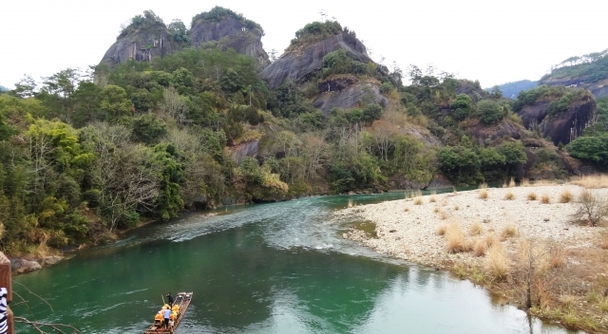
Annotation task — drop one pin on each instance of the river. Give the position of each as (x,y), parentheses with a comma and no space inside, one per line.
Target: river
(269,268)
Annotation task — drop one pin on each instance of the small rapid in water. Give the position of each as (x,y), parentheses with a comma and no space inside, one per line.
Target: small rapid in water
(270,268)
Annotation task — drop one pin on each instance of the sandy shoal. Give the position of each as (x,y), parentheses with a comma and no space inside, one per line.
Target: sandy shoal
(408,230)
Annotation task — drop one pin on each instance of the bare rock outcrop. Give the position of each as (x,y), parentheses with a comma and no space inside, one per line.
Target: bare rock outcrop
(302,62)
(230,33)
(562,127)
(142,45)
(348,96)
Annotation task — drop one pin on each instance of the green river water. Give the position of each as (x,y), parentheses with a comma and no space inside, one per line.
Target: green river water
(271,268)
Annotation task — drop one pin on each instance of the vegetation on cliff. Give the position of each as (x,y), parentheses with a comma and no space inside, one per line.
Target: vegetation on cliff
(218,14)
(589,68)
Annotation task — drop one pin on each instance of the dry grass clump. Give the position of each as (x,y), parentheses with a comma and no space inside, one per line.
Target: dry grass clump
(566,196)
(591,181)
(525,183)
(603,240)
(509,196)
(483,186)
(441,229)
(475,229)
(432,199)
(406,209)
(436,210)
(545,199)
(443,216)
(418,200)
(498,263)
(509,231)
(532,196)
(483,194)
(511,183)
(456,207)
(492,239)
(480,247)
(455,239)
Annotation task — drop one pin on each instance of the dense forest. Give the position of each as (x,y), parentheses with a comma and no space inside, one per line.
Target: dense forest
(83,154)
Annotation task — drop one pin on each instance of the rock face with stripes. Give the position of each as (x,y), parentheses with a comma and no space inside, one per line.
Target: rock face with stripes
(141,45)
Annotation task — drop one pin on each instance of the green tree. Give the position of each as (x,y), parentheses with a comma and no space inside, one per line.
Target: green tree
(461,107)
(490,112)
(114,103)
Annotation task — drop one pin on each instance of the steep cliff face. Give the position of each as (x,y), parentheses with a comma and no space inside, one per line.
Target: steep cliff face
(142,45)
(562,127)
(347,94)
(303,62)
(230,32)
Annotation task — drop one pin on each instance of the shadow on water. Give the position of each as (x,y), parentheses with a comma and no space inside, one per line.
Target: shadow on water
(272,268)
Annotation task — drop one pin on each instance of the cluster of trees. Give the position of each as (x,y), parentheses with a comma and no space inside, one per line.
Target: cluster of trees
(589,68)
(560,96)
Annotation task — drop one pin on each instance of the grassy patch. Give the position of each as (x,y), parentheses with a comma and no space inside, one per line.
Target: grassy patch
(591,181)
(368,227)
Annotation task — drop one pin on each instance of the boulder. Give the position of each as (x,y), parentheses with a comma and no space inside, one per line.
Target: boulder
(53,259)
(22,266)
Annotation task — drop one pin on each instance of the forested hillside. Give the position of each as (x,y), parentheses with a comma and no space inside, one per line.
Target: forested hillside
(84,154)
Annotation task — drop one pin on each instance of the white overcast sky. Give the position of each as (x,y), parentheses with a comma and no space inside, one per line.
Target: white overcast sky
(493,41)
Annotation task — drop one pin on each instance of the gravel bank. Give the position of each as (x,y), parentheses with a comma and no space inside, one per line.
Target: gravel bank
(406,229)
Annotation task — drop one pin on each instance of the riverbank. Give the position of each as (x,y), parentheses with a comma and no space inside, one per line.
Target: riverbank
(525,244)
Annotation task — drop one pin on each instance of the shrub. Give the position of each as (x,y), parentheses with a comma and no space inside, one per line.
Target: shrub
(490,112)
(509,196)
(591,208)
(418,200)
(532,196)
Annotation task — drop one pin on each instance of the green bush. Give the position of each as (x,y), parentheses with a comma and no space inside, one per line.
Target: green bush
(490,112)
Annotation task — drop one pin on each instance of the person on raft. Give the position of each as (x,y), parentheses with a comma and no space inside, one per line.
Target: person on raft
(169,299)
(167,315)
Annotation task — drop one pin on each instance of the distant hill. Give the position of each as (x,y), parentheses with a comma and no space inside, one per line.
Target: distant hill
(511,89)
(3,89)
(589,71)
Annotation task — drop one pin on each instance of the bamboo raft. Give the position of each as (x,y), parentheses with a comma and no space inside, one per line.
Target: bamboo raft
(183,300)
